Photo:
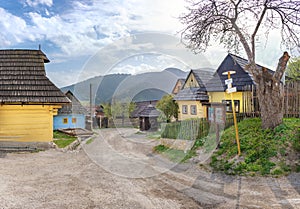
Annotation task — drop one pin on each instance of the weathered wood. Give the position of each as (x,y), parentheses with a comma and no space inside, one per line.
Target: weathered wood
(291,100)
(23,78)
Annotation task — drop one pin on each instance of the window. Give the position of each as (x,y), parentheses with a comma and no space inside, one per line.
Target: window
(74,120)
(229,105)
(184,109)
(193,110)
(65,120)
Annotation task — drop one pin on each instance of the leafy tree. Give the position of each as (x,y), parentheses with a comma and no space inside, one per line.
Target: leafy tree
(107,110)
(118,109)
(293,69)
(238,23)
(168,106)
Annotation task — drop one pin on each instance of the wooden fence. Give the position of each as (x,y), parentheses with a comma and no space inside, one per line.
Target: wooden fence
(291,101)
(190,129)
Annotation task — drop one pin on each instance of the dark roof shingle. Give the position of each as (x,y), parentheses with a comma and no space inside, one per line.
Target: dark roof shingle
(73,108)
(191,94)
(149,111)
(23,78)
(240,79)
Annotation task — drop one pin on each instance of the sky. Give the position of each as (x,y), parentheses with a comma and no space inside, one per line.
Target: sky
(87,38)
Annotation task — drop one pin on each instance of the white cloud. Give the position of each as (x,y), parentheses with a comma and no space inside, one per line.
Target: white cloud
(84,28)
(12,29)
(35,3)
(104,27)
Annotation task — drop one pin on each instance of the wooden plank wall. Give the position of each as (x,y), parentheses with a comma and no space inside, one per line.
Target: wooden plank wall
(28,123)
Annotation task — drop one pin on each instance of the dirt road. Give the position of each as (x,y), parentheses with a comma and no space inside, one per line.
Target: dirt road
(119,170)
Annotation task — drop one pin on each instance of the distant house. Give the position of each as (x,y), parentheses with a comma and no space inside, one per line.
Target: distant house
(148,118)
(29,100)
(193,95)
(71,115)
(244,98)
(140,106)
(178,85)
(100,119)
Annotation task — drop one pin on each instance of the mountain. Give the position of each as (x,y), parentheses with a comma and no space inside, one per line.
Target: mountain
(140,87)
(176,71)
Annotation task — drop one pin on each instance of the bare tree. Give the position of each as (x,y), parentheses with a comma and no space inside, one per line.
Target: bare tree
(238,23)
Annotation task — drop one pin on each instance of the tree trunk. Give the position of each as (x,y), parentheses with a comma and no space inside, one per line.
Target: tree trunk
(270,98)
(270,93)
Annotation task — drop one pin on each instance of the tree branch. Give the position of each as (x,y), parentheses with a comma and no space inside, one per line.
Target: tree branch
(281,66)
(256,30)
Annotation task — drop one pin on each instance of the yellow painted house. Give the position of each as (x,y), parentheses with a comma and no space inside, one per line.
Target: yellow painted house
(28,99)
(202,88)
(244,98)
(192,97)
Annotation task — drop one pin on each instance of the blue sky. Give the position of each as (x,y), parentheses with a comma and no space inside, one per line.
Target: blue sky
(85,38)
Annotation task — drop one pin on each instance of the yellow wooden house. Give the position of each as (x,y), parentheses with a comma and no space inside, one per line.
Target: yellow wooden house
(244,98)
(28,99)
(202,88)
(192,97)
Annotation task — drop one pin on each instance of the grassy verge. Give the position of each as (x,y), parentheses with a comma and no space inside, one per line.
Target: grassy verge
(90,141)
(154,135)
(177,156)
(264,152)
(62,140)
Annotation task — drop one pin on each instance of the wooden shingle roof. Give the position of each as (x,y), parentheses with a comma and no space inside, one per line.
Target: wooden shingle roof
(203,76)
(73,108)
(187,93)
(140,106)
(240,79)
(150,111)
(23,78)
(191,94)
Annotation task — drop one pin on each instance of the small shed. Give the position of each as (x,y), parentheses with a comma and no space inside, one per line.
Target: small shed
(148,118)
(100,119)
(71,115)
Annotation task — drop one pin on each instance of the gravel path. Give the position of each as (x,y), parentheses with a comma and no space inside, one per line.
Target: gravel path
(119,170)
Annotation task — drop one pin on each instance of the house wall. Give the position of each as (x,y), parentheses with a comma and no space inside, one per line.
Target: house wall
(177,87)
(27,123)
(67,121)
(201,110)
(219,96)
(191,82)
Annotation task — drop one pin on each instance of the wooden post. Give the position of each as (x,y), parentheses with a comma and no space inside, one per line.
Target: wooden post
(233,111)
(235,121)
(91,107)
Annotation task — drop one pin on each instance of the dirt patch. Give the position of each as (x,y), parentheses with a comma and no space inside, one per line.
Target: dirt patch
(53,179)
(71,179)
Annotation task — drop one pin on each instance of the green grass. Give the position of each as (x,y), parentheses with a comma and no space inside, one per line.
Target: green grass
(62,140)
(60,135)
(90,141)
(177,156)
(61,143)
(154,135)
(264,152)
